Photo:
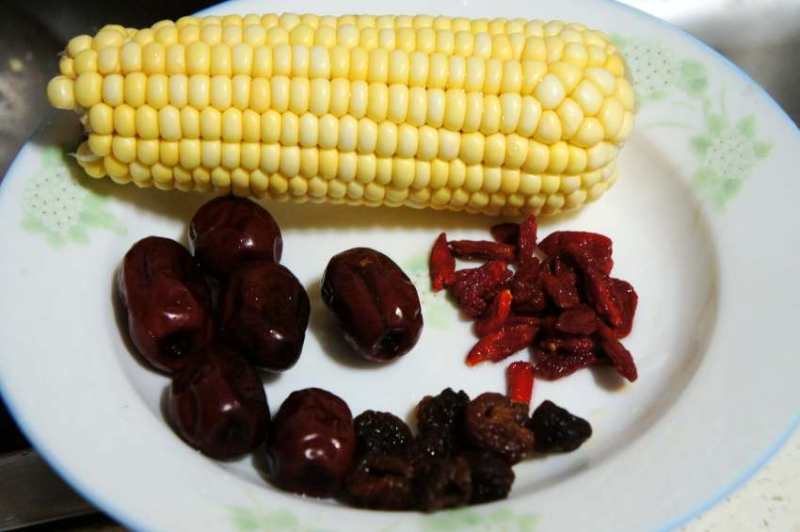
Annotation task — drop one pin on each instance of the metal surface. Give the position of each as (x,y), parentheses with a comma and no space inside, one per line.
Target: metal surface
(761,36)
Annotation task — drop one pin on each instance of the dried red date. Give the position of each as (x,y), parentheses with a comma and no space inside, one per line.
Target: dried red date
(442,264)
(496,315)
(502,344)
(482,249)
(167,303)
(376,304)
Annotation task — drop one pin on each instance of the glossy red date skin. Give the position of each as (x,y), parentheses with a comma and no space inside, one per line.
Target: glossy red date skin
(217,405)
(311,443)
(265,314)
(376,304)
(167,303)
(228,231)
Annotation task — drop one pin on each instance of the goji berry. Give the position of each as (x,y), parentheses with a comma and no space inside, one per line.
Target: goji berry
(519,376)
(560,283)
(587,249)
(442,264)
(567,346)
(599,293)
(580,320)
(507,233)
(526,288)
(526,246)
(621,358)
(502,343)
(496,315)
(552,366)
(627,299)
(482,249)
(473,288)
(524,320)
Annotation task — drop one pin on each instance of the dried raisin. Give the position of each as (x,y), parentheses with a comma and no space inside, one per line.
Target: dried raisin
(556,430)
(443,483)
(381,482)
(492,476)
(381,433)
(493,423)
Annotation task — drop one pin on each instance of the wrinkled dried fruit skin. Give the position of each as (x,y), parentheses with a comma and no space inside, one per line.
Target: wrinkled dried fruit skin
(443,483)
(506,233)
(586,249)
(627,300)
(381,433)
(492,476)
(567,346)
(375,303)
(502,344)
(552,366)
(218,406)
(556,430)
(599,292)
(482,249)
(578,320)
(620,357)
(228,231)
(519,376)
(442,264)
(474,288)
(167,302)
(526,288)
(265,314)
(381,482)
(560,283)
(442,413)
(493,423)
(432,444)
(496,315)
(311,443)
(527,239)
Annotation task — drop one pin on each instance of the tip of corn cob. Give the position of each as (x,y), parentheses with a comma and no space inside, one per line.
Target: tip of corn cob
(495,116)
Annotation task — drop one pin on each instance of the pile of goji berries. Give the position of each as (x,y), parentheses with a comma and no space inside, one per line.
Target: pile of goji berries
(559,300)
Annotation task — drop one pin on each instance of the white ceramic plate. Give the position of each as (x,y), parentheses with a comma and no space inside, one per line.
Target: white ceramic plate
(705,226)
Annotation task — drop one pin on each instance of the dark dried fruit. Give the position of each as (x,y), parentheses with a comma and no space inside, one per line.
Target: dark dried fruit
(375,303)
(265,314)
(507,233)
(527,239)
(381,482)
(599,292)
(519,376)
(474,288)
(579,320)
(217,404)
(502,344)
(560,283)
(443,483)
(493,423)
(620,357)
(442,413)
(482,249)
(586,249)
(526,288)
(492,476)
(496,315)
(381,433)
(442,264)
(556,430)
(228,231)
(311,443)
(167,303)
(433,444)
(627,299)
(551,366)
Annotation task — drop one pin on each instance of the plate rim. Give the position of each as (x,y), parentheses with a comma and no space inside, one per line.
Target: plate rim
(106,505)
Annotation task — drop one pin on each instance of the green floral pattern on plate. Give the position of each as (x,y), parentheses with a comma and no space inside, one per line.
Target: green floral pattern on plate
(437,311)
(726,148)
(56,205)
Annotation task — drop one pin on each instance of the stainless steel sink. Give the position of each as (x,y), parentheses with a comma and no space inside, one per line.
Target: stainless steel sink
(761,36)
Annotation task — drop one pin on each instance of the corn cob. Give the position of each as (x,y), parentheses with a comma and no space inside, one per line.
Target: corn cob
(493,116)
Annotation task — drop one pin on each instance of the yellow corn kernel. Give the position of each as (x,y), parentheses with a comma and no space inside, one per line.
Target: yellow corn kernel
(61,92)
(157,91)
(99,145)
